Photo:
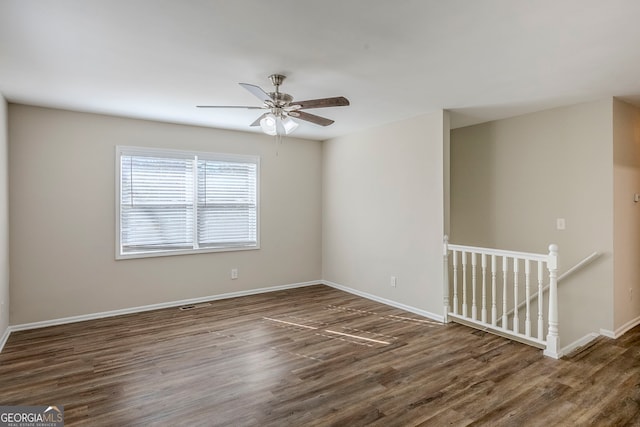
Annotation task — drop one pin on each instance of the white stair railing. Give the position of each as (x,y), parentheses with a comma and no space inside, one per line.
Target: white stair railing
(461,262)
(569,272)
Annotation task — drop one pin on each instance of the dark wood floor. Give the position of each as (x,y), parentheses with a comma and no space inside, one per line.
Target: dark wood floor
(312,356)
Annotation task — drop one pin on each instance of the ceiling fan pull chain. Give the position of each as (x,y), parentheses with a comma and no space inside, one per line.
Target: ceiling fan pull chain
(277,138)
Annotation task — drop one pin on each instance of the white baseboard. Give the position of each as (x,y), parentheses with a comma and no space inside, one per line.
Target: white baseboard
(423,313)
(437,317)
(5,337)
(169,304)
(607,333)
(111,313)
(622,329)
(579,343)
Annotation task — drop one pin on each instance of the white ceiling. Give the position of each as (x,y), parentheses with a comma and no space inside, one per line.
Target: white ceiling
(157,59)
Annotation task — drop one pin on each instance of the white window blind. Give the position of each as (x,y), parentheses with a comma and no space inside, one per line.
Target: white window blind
(174,202)
(226,203)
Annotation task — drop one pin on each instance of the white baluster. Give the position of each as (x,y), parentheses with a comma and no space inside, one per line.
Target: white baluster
(474,307)
(516,320)
(484,288)
(455,281)
(445,290)
(494,306)
(505,320)
(540,301)
(464,284)
(553,338)
(527,291)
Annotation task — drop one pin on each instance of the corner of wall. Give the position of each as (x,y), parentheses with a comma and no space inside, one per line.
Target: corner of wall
(383,195)
(4,224)
(626,214)
(290,216)
(512,178)
(446,155)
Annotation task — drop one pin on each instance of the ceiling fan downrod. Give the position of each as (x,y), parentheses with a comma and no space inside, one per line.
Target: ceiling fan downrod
(280,99)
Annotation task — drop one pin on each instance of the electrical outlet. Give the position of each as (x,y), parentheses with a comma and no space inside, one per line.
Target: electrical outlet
(394,281)
(561,224)
(234,273)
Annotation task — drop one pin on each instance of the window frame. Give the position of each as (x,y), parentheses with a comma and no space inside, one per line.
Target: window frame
(121,150)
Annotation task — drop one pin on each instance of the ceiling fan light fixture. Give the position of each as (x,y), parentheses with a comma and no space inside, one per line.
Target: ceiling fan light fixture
(289,125)
(273,124)
(269,124)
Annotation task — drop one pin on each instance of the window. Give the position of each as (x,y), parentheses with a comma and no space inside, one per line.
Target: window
(175,202)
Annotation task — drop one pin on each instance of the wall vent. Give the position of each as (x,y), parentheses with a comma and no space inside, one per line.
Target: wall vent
(194,306)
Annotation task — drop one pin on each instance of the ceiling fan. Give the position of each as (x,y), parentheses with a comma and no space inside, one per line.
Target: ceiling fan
(281,108)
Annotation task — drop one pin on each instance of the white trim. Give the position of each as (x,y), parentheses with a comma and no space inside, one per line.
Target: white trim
(5,337)
(607,333)
(581,342)
(139,309)
(498,252)
(552,354)
(139,255)
(169,304)
(424,313)
(122,150)
(507,333)
(627,327)
(81,318)
(622,329)
(578,266)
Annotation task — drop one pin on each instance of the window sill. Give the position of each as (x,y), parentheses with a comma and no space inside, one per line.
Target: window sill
(136,255)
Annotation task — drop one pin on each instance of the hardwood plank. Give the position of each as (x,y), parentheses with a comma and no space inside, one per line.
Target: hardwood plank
(312,356)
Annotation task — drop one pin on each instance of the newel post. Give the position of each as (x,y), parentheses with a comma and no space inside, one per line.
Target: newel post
(553,340)
(445,289)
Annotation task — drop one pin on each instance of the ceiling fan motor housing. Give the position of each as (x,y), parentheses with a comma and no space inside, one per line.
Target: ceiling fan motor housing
(281,99)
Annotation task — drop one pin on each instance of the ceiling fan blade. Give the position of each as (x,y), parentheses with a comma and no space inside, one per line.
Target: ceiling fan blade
(229,106)
(257,122)
(257,92)
(338,101)
(322,121)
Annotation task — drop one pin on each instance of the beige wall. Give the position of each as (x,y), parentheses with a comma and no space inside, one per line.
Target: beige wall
(511,179)
(4,221)
(626,175)
(62,216)
(383,213)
